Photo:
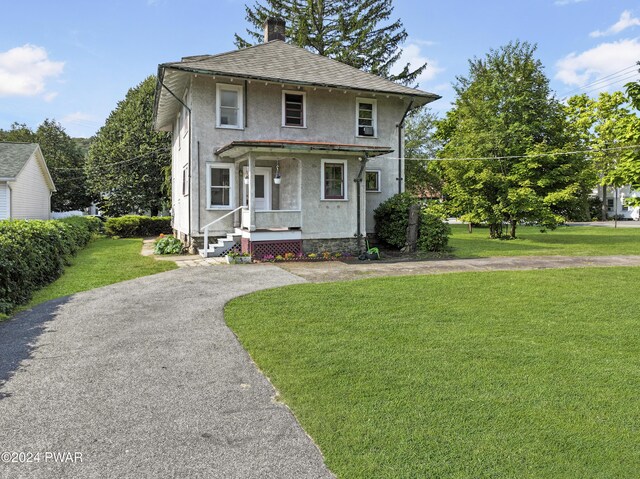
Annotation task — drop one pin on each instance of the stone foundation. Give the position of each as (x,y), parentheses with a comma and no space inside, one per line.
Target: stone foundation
(331,245)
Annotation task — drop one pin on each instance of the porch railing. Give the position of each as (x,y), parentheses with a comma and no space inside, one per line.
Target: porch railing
(206,228)
(273,219)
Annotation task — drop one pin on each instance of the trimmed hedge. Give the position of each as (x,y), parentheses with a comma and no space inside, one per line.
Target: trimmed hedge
(33,253)
(133,226)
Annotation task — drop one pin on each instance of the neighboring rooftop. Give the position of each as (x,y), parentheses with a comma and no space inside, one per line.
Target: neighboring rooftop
(13,157)
(277,61)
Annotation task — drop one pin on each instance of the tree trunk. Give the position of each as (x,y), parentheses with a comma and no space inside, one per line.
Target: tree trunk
(604,202)
(154,211)
(513,229)
(495,230)
(470,227)
(413,228)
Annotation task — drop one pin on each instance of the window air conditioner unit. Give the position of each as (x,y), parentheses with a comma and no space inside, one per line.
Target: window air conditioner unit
(367,131)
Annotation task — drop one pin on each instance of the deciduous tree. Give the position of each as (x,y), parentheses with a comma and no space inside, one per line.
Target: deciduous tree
(423,176)
(127,159)
(505,111)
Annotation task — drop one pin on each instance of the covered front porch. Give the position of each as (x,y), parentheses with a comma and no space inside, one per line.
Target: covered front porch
(278,187)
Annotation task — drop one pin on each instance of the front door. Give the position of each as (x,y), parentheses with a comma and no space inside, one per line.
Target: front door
(263,188)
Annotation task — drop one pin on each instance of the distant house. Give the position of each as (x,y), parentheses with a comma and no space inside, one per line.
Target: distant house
(278,149)
(615,202)
(25,183)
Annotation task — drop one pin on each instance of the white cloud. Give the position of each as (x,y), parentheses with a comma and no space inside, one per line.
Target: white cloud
(24,71)
(50,96)
(605,59)
(412,54)
(567,2)
(626,21)
(78,117)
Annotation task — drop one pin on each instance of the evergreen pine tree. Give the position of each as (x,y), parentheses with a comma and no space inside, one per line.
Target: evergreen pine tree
(350,31)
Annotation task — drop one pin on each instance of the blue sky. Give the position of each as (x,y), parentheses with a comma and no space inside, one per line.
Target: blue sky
(74,60)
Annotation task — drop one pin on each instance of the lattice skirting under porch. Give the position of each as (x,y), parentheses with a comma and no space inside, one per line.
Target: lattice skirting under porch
(260,249)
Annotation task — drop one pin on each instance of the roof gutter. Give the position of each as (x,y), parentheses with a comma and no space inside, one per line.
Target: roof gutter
(428,96)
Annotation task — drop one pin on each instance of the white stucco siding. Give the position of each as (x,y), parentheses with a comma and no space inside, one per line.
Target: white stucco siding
(30,193)
(180,146)
(330,117)
(5,198)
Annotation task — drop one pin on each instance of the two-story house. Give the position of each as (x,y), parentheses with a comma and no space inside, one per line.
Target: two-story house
(280,150)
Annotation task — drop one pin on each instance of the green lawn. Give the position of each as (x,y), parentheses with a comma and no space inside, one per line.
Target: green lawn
(566,240)
(528,374)
(104,261)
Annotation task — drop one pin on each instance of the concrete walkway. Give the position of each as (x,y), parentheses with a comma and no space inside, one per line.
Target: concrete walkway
(324,271)
(143,379)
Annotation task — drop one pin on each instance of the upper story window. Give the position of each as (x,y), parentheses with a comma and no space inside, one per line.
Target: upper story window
(229,106)
(334,174)
(220,189)
(366,117)
(294,109)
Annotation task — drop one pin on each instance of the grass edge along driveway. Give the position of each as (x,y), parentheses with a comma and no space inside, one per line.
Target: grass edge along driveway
(104,261)
(528,374)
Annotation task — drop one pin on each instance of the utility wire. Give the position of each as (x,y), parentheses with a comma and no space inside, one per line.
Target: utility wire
(516,157)
(634,66)
(159,150)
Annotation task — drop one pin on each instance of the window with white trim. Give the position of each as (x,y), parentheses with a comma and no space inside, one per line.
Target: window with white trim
(229,106)
(294,109)
(334,176)
(366,117)
(220,190)
(372,181)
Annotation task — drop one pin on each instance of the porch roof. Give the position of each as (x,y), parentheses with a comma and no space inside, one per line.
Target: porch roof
(235,149)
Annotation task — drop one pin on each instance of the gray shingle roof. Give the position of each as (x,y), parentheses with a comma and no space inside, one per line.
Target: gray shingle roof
(280,61)
(13,157)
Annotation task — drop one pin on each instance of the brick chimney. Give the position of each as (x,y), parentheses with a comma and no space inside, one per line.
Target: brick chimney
(274,29)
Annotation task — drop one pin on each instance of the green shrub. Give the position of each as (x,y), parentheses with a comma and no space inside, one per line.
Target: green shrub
(33,253)
(434,232)
(132,226)
(168,245)
(392,219)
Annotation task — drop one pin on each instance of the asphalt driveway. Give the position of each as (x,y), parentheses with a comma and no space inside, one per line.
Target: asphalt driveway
(143,379)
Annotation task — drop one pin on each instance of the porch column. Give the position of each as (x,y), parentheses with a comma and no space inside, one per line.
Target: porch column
(240,182)
(252,193)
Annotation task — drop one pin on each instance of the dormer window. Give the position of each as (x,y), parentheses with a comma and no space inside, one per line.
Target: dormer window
(366,117)
(229,106)
(294,109)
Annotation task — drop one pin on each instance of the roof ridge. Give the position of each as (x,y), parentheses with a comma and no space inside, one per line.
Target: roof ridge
(19,142)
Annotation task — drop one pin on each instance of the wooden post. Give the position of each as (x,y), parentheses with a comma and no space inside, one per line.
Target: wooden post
(413,228)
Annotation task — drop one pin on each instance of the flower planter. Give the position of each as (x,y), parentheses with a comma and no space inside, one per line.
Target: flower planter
(238,259)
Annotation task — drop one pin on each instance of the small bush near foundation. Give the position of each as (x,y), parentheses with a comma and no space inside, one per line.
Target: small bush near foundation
(392,219)
(133,226)
(434,232)
(168,245)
